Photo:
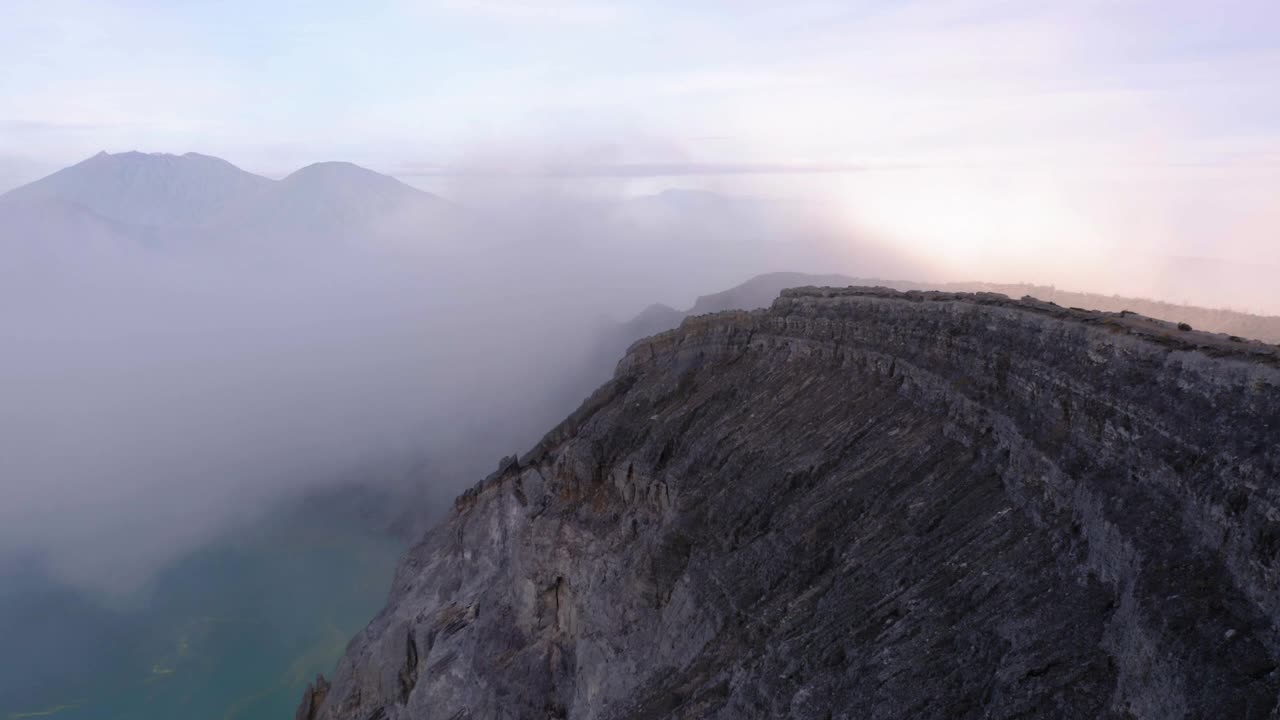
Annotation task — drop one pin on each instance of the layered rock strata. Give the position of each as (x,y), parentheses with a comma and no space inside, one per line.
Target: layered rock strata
(863,504)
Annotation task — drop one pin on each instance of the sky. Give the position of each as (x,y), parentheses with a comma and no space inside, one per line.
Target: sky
(1098,126)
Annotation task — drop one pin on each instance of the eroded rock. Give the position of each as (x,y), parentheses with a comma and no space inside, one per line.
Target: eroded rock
(863,504)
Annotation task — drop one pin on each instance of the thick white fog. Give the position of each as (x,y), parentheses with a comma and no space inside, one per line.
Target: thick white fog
(171,366)
(186,344)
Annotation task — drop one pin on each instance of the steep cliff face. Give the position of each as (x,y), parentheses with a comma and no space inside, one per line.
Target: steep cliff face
(863,504)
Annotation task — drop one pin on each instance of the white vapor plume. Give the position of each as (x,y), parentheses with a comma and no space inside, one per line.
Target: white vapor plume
(157,391)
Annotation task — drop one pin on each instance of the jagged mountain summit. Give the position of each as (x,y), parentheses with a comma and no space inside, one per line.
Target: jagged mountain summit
(861,503)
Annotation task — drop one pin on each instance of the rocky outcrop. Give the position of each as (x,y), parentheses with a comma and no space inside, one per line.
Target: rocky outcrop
(864,504)
(312,698)
(759,292)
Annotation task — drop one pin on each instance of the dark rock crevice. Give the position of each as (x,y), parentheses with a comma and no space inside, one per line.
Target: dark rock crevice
(409,673)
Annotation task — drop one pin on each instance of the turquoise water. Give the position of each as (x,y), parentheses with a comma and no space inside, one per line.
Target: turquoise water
(234,631)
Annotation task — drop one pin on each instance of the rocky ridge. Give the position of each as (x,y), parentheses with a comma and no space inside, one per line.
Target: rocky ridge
(759,292)
(861,503)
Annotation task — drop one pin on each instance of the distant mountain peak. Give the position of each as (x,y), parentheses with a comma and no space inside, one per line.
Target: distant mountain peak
(351,189)
(158,190)
(342,171)
(153,195)
(139,156)
(335,166)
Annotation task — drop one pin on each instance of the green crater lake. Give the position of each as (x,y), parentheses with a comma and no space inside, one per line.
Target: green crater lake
(233,631)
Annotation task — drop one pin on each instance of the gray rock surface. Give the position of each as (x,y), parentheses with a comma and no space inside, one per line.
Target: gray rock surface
(863,504)
(759,292)
(312,699)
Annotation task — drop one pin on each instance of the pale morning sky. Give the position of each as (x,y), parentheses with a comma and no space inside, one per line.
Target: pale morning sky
(1085,121)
